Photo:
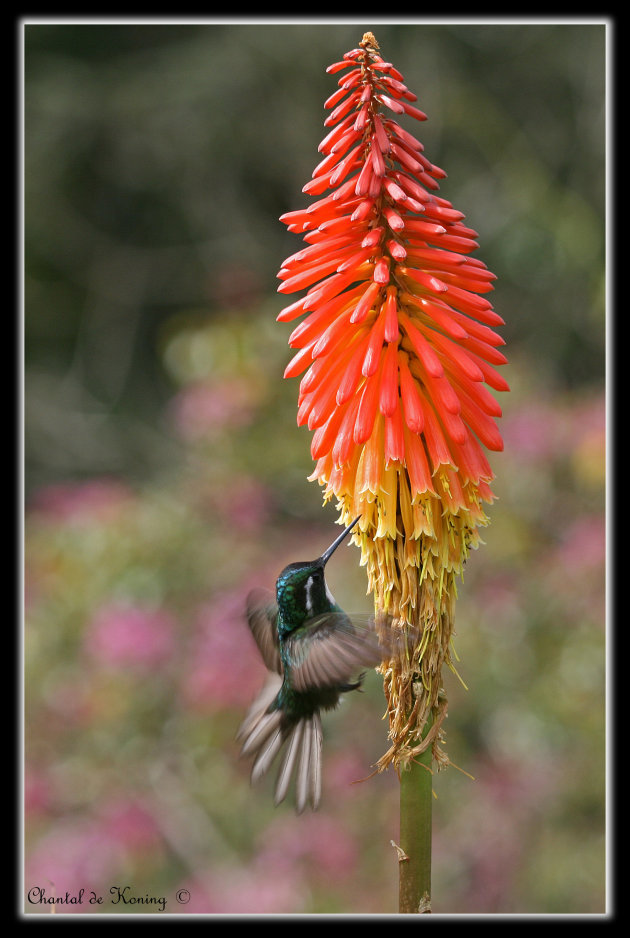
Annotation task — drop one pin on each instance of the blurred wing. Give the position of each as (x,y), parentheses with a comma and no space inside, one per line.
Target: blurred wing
(330,648)
(262,614)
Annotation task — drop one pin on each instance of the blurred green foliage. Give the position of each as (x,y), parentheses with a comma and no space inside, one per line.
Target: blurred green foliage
(165,473)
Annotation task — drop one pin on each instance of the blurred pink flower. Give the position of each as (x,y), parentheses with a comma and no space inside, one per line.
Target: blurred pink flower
(258,889)
(497,594)
(125,635)
(590,415)
(37,792)
(576,569)
(87,853)
(201,409)
(536,432)
(224,661)
(583,546)
(240,501)
(130,825)
(344,769)
(73,855)
(542,430)
(589,445)
(490,835)
(318,844)
(97,499)
(244,503)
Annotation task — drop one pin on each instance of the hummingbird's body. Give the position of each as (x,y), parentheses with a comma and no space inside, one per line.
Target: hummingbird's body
(312,649)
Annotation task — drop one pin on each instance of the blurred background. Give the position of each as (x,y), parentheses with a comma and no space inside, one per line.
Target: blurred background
(165,474)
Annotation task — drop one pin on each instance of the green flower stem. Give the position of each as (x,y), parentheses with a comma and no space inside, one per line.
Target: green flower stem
(416,796)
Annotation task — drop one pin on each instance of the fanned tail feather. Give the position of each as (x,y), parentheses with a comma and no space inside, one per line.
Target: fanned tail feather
(304,749)
(258,708)
(264,732)
(288,762)
(309,772)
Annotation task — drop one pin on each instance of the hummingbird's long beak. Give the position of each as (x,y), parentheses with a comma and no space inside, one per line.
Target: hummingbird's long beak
(325,557)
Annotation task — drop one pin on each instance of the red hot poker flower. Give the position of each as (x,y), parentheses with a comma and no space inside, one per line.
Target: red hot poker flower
(398,345)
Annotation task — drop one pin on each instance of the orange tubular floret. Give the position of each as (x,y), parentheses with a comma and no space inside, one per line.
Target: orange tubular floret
(299,362)
(344,442)
(312,327)
(325,436)
(370,466)
(425,353)
(368,409)
(352,374)
(437,446)
(390,308)
(411,397)
(394,436)
(388,396)
(417,464)
(374,347)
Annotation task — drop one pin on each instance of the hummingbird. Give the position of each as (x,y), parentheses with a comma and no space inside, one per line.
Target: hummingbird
(312,650)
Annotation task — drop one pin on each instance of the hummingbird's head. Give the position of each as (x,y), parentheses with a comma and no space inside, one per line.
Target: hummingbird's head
(301,589)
